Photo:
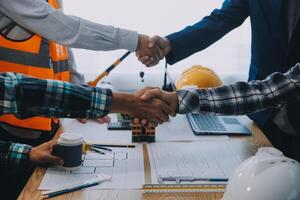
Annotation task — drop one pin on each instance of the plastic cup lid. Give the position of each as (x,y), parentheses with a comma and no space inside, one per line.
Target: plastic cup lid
(69,139)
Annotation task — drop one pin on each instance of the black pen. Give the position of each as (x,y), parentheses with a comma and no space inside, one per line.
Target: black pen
(97,151)
(103,148)
(115,145)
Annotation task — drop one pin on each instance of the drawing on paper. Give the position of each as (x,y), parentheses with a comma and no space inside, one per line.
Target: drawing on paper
(121,164)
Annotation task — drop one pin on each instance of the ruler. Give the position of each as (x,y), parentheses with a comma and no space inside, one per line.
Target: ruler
(167,188)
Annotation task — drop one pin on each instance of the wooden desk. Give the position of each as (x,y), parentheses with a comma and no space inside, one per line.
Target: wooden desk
(30,191)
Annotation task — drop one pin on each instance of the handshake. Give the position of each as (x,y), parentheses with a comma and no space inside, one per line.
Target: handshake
(151,50)
(151,106)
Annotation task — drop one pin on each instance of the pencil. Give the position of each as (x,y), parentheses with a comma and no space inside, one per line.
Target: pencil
(108,70)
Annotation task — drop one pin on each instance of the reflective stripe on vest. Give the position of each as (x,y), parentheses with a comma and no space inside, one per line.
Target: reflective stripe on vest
(59,58)
(36,57)
(40,60)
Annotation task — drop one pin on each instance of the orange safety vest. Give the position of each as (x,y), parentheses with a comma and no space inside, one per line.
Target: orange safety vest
(35,57)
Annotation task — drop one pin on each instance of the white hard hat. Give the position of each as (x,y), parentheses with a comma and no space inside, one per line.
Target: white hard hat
(268,175)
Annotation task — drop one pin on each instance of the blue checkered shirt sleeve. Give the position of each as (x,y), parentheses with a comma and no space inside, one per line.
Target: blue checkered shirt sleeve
(17,156)
(27,97)
(242,97)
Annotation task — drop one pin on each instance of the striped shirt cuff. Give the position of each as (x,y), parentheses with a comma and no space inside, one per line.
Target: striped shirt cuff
(18,155)
(183,96)
(189,101)
(101,102)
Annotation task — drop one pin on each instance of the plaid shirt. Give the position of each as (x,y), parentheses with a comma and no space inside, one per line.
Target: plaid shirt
(242,97)
(13,156)
(27,97)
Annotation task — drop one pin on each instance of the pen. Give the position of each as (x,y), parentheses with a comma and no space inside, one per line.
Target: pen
(64,191)
(73,188)
(190,179)
(97,151)
(103,148)
(114,145)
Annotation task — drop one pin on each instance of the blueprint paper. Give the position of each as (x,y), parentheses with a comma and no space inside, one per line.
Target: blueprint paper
(209,159)
(125,165)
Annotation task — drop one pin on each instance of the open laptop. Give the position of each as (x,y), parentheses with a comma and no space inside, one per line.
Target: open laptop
(206,123)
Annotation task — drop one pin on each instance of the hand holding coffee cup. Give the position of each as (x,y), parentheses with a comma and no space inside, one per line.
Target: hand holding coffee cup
(42,154)
(69,148)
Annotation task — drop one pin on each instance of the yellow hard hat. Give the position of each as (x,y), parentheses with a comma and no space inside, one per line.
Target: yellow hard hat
(199,77)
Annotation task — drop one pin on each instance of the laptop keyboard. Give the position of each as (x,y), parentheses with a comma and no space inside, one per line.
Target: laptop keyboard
(208,122)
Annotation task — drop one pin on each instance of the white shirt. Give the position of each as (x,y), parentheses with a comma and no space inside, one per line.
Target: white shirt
(39,17)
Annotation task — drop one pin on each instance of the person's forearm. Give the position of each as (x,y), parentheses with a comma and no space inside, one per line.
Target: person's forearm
(121,102)
(39,17)
(243,98)
(27,97)
(199,36)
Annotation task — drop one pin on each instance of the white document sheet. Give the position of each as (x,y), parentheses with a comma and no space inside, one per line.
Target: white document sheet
(124,165)
(177,129)
(94,133)
(208,159)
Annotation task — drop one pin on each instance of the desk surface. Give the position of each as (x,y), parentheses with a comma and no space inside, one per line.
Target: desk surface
(31,191)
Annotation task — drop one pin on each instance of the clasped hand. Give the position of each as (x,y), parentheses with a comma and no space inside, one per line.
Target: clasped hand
(151,50)
(158,106)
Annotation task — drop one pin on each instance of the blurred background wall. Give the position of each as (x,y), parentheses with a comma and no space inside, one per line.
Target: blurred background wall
(229,57)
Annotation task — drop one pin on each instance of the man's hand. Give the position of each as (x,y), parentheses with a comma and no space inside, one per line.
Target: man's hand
(148,50)
(168,97)
(41,154)
(156,42)
(103,120)
(149,93)
(153,110)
